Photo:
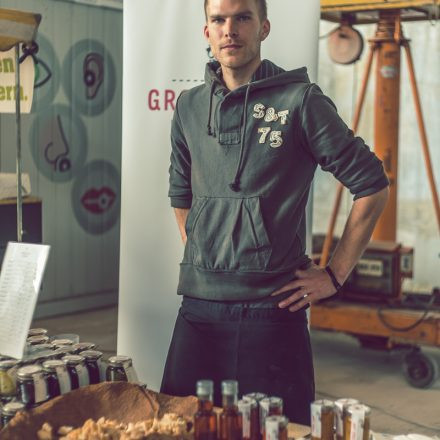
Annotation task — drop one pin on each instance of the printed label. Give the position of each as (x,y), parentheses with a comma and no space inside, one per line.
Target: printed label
(272,430)
(357,425)
(40,386)
(339,421)
(263,414)
(102,369)
(131,374)
(316,420)
(63,380)
(83,375)
(245,410)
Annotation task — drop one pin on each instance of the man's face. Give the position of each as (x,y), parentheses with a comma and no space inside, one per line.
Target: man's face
(235,31)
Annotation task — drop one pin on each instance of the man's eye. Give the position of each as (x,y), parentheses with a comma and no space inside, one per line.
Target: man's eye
(244,17)
(217,20)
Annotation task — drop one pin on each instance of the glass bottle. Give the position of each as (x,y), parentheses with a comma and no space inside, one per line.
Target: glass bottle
(248,409)
(269,406)
(340,409)
(357,422)
(323,416)
(205,420)
(276,428)
(93,360)
(230,418)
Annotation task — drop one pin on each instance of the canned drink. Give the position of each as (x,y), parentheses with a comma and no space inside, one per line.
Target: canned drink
(340,409)
(276,428)
(357,422)
(323,416)
(270,406)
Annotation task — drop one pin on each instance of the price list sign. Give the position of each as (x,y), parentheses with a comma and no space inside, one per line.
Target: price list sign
(20,280)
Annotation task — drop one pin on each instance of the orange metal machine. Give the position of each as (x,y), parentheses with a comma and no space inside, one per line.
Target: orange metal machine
(371,307)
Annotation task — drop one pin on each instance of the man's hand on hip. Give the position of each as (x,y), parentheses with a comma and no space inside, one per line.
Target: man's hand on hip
(311,285)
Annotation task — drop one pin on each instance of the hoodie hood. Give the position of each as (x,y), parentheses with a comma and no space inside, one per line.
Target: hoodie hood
(267,75)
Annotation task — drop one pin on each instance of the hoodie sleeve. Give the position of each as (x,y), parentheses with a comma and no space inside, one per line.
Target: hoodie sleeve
(180,192)
(336,149)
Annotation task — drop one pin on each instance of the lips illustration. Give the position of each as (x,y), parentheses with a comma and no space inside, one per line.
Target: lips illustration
(98,201)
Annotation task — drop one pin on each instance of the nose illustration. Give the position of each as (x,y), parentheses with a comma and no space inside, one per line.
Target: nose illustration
(98,200)
(56,151)
(93,73)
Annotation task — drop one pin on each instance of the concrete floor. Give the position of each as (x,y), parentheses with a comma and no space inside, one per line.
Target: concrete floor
(342,369)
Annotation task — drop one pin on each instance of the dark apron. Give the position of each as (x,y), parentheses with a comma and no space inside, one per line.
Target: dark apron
(266,349)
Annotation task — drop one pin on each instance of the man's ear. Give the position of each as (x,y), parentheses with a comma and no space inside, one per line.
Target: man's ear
(206,32)
(265,29)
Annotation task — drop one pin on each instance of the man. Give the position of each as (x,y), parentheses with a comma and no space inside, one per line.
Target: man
(245,146)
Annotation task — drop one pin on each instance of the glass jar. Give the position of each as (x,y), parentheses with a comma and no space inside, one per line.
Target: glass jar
(37,340)
(276,428)
(205,419)
(77,370)
(93,364)
(341,406)
(323,417)
(230,420)
(57,377)
(251,423)
(57,343)
(8,371)
(37,332)
(120,368)
(8,412)
(83,346)
(357,422)
(31,385)
(270,406)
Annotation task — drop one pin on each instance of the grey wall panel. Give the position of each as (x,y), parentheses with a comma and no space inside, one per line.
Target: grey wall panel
(84,258)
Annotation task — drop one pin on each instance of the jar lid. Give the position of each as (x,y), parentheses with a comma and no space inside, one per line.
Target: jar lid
(247,402)
(53,364)
(64,350)
(343,403)
(272,401)
(82,346)
(205,388)
(72,359)
(91,354)
(323,404)
(60,342)
(255,396)
(358,408)
(8,364)
(36,340)
(37,331)
(280,421)
(28,371)
(12,408)
(119,361)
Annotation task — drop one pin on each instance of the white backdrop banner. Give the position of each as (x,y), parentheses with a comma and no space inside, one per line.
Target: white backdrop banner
(165,53)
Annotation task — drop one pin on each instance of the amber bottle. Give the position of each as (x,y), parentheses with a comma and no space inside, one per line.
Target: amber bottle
(230,418)
(205,419)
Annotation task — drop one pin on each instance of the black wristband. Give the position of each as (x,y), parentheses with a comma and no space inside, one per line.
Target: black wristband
(333,278)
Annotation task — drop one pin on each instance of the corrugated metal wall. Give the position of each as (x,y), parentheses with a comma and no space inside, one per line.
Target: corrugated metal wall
(417,225)
(72,150)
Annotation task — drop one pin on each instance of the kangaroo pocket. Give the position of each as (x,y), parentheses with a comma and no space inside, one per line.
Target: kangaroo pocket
(227,234)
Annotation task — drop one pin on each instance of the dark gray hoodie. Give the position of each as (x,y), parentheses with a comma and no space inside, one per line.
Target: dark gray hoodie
(243,161)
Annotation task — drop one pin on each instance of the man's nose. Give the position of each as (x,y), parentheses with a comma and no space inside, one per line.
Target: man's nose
(231,29)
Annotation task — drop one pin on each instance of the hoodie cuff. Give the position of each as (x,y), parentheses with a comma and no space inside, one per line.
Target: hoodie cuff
(177,202)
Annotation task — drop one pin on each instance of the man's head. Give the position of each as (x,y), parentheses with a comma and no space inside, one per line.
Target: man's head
(261,5)
(235,30)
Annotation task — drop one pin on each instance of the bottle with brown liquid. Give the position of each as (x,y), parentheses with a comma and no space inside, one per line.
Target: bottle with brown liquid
(230,418)
(205,420)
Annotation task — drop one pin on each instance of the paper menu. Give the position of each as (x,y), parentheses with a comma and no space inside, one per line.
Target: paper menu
(20,280)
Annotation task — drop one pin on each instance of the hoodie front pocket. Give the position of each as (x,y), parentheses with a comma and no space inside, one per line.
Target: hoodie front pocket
(228,234)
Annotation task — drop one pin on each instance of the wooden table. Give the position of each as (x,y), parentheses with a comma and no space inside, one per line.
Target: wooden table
(297,431)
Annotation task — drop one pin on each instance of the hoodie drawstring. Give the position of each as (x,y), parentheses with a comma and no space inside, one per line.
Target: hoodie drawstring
(235,184)
(211,95)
